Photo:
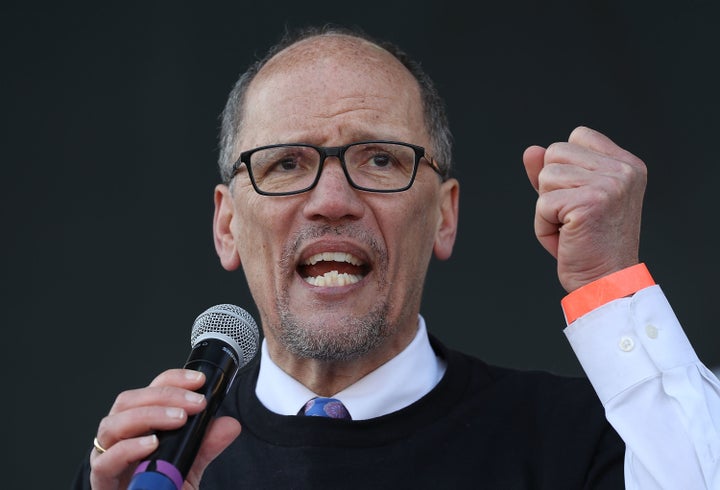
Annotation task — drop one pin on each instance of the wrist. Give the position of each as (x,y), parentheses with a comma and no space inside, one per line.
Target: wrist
(614,286)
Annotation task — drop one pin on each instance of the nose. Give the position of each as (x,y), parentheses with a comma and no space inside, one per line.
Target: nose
(333,198)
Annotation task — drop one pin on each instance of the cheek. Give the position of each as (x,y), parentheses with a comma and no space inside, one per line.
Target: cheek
(258,238)
(255,241)
(410,235)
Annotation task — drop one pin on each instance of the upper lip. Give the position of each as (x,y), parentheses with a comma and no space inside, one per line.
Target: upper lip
(357,255)
(333,256)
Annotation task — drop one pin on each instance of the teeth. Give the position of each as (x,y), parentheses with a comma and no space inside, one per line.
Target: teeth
(333,279)
(333,257)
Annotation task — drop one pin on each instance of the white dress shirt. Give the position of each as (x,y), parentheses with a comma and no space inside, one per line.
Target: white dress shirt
(401,381)
(659,397)
(663,402)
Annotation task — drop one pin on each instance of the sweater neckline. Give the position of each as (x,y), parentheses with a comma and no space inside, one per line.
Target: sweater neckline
(291,431)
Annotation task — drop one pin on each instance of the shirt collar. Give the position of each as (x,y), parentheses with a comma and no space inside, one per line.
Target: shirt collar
(396,384)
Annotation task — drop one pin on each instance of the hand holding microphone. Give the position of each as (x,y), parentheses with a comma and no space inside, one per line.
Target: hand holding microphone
(224,339)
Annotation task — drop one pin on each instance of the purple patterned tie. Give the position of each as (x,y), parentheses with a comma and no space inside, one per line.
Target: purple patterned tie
(326,407)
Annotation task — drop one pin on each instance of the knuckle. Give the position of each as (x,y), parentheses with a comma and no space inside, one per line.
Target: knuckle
(167,393)
(164,377)
(122,400)
(553,151)
(103,431)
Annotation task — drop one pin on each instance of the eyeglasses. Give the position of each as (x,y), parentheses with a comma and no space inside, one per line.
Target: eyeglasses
(373,166)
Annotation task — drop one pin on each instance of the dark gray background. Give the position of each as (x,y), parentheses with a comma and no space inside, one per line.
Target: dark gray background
(109,165)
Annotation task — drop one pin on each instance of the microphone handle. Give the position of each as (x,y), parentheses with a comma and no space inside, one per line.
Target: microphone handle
(167,467)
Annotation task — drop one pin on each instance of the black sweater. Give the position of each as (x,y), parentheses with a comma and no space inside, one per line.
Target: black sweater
(481,427)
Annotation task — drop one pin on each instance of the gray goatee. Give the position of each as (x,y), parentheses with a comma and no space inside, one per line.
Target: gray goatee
(352,336)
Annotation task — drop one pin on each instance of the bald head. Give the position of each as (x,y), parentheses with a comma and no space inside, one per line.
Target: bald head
(332,89)
(331,47)
(330,62)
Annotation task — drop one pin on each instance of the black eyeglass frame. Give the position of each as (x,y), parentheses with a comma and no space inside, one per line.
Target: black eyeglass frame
(339,152)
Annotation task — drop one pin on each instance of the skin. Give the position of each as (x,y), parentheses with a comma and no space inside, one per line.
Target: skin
(590,194)
(332,100)
(332,91)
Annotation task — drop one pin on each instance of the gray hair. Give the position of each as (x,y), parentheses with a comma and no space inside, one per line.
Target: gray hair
(434,107)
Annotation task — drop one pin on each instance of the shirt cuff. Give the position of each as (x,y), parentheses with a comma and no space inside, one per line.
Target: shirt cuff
(611,287)
(628,341)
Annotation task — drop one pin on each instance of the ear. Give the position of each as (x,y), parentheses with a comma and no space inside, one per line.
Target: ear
(222,228)
(448,221)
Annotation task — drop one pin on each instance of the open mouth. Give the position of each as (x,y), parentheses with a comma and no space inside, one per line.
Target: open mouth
(332,269)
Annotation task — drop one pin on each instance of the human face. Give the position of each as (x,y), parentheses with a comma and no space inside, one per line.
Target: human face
(333,91)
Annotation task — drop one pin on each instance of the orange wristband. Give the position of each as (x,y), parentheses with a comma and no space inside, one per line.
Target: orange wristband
(611,287)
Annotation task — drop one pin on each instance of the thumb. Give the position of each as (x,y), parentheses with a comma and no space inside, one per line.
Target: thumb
(221,432)
(533,158)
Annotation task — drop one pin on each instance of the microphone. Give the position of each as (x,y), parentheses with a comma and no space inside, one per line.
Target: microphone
(224,339)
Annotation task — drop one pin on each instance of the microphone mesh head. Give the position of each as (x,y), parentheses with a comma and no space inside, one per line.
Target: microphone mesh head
(232,321)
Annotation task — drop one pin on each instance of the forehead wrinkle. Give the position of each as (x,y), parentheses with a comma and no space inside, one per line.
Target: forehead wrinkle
(354,103)
(343,129)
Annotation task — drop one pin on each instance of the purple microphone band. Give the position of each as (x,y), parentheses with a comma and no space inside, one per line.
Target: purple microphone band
(166,469)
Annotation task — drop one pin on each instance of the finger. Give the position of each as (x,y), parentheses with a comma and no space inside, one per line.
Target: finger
(114,467)
(547,222)
(533,159)
(560,211)
(139,412)
(185,378)
(220,434)
(127,432)
(581,156)
(140,421)
(599,143)
(555,176)
(169,388)
(156,395)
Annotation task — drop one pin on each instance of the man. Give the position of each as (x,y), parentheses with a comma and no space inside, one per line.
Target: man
(335,157)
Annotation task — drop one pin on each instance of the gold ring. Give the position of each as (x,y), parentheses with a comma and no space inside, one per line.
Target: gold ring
(98,447)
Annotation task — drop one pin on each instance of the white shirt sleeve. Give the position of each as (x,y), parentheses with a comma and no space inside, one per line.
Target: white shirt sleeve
(663,402)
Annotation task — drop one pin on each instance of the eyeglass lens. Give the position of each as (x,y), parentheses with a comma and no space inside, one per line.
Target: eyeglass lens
(374,166)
